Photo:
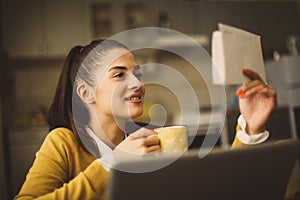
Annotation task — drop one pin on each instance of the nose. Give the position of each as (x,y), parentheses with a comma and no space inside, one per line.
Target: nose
(134,82)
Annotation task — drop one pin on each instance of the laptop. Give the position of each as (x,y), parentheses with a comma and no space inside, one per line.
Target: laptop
(253,172)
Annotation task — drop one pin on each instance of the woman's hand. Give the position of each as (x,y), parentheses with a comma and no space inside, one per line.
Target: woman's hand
(256,101)
(137,144)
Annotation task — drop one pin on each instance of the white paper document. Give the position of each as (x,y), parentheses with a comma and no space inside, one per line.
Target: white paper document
(232,50)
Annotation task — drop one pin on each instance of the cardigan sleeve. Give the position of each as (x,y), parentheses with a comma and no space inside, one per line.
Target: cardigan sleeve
(243,139)
(236,142)
(49,176)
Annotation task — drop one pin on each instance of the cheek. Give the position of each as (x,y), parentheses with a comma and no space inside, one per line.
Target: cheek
(143,89)
(109,96)
(103,97)
(119,91)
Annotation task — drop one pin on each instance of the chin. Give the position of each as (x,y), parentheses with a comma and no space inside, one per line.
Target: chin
(136,113)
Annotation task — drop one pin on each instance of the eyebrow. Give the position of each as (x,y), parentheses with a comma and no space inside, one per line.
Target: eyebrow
(118,67)
(124,68)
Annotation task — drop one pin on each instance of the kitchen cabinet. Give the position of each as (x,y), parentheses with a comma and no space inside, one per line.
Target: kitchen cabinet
(23,143)
(21,27)
(117,16)
(44,27)
(3,181)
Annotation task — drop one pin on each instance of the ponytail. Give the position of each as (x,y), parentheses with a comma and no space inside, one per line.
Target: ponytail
(60,110)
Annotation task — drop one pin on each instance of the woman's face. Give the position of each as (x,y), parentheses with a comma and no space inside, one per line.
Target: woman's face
(119,91)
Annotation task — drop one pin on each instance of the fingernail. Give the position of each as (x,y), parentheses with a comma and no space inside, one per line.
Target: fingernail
(239,91)
(258,89)
(242,95)
(246,70)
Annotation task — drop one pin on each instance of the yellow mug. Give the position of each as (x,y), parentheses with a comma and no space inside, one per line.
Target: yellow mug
(173,139)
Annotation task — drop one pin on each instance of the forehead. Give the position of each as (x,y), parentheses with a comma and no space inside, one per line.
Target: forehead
(120,57)
(113,58)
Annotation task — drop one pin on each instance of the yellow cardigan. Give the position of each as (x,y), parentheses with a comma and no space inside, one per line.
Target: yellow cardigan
(64,170)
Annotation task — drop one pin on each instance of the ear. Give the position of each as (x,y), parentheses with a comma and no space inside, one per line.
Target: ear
(85,93)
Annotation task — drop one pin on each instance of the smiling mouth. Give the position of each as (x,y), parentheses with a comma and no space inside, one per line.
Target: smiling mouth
(134,99)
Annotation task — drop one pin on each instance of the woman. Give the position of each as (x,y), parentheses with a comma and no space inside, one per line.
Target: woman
(102,80)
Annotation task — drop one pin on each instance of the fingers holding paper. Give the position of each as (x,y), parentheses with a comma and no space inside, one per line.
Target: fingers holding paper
(256,86)
(256,101)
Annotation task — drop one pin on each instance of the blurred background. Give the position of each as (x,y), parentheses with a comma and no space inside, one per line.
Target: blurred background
(35,36)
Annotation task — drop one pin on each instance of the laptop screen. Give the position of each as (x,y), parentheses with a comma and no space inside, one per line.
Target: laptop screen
(253,172)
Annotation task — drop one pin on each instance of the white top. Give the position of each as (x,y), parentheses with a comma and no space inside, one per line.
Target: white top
(250,139)
(107,159)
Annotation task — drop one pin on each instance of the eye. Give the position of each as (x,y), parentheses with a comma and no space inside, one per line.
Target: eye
(120,75)
(137,72)
(138,75)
